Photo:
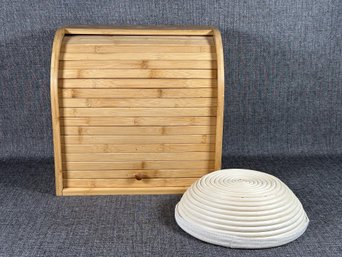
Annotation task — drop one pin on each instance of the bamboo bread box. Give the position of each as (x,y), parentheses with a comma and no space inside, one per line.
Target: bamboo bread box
(135,110)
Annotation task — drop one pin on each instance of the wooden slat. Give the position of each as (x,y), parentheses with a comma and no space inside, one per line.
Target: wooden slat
(121,191)
(122,64)
(184,64)
(149,130)
(104,183)
(135,139)
(137,83)
(134,148)
(137,64)
(138,165)
(139,40)
(71,39)
(150,102)
(104,174)
(137,121)
(146,112)
(112,130)
(136,73)
(138,56)
(98,48)
(141,93)
(189,130)
(107,157)
(102,166)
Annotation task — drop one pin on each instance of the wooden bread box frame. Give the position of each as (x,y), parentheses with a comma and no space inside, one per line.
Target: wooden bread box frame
(135,110)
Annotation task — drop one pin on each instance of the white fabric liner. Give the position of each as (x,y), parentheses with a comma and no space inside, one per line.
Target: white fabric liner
(240,208)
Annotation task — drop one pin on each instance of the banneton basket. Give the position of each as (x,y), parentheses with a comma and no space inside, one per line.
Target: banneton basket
(241,208)
(135,110)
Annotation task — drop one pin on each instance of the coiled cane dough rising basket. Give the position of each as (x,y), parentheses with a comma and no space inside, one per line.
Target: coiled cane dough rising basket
(241,209)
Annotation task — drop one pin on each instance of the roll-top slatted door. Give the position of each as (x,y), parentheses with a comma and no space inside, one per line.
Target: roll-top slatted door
(135,110)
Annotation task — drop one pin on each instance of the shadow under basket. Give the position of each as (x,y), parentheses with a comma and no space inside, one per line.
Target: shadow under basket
(136,110)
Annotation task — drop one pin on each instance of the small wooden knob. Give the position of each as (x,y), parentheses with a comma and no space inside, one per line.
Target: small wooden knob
(138,176)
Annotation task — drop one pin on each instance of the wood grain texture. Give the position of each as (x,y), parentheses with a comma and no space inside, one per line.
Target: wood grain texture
(134,102)
(138,64)
(137,83)
(98,48)
(137,73)
(104,157)
(105,174)
(134,148)
(113,183)
(139,139)
(141,93)
(136,110)
(138,121)
(146,130)
(138,56)
(138,165)
(146,112)
(123,191)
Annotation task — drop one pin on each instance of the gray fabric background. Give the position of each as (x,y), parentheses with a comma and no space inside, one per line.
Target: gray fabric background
(283,115)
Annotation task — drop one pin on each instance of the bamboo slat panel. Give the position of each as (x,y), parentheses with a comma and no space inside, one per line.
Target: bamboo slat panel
(135,110)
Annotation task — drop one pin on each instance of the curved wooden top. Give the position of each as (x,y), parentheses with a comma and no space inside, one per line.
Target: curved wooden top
(140,30)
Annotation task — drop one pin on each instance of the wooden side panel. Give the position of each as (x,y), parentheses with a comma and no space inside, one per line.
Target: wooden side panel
(136,110)
(57,43)
(220,98)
